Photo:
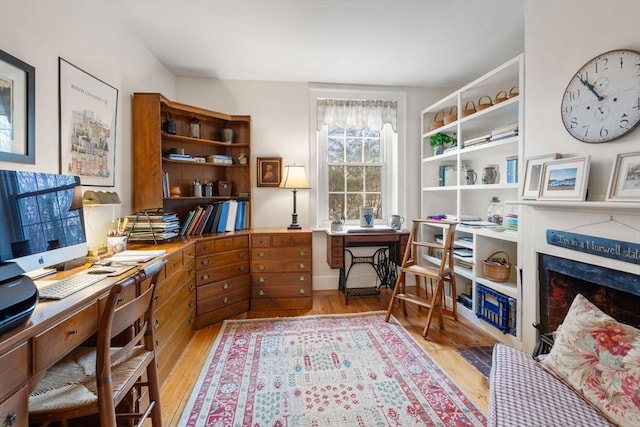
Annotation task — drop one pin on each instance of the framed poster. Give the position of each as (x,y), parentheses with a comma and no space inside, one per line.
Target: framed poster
(565,179)
(88,111)
(269,171)
(624,183)
(17,110)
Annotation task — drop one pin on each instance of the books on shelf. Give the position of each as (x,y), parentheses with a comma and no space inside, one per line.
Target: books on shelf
(512,169)
(475,141)
(447,175)
(152,225)
(218,217)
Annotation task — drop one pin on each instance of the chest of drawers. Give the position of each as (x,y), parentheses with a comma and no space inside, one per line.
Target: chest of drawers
(281,270)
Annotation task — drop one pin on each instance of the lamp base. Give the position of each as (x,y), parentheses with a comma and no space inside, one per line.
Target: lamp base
(294,227)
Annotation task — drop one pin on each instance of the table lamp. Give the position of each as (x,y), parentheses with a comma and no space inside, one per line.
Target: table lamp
(295,178)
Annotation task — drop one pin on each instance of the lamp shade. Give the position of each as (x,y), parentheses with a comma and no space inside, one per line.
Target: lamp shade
(96,198)
(294,177)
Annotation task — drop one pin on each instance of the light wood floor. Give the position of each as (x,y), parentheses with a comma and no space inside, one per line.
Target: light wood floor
(440,345)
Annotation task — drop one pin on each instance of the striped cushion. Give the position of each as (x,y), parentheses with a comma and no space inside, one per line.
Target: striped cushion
(523,394)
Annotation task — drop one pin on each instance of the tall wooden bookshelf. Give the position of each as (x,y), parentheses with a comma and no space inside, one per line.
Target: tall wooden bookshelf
(155,173)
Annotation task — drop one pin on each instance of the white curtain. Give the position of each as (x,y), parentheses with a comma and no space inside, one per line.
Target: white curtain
(356,113)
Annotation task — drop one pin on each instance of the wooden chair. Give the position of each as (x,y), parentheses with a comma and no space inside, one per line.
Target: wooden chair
(94,380)
(440,272)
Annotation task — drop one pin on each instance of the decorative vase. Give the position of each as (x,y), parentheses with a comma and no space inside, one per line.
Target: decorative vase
(227,135)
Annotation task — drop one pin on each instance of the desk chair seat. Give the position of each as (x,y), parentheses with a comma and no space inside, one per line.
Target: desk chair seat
(439,270)
(94,380)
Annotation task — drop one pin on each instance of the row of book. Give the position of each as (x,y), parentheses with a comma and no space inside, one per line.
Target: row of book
(152,226)
(217,217)
(512,169)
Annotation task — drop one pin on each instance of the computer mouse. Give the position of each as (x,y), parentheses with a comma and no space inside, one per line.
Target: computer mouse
(101,270)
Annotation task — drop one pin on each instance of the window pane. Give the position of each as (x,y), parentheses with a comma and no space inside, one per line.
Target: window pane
(376,201)
(355,180)
(336,178)
(354,150)
(335,150)
(372,151)
(336,202)
(354,201)
(373,178)
(351,131)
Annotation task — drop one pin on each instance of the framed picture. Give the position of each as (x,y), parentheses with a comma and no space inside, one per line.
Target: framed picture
(88,111)
(565,179)
(17,110)
(269,171)
(533,174)
(624,184)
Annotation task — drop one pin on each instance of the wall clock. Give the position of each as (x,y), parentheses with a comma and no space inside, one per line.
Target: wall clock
(602,100)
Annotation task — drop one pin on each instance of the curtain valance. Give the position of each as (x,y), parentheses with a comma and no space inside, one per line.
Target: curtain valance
(356,113)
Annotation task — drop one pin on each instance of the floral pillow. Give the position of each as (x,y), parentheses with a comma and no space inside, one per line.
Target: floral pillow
(600,359)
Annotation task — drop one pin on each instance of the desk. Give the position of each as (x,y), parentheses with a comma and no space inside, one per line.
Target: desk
(57,327)
(394,244)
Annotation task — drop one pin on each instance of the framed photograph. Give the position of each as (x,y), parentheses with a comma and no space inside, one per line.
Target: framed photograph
(624,184)
(17,110)
(88,111)
(565,179)
(533,174)
(269,171)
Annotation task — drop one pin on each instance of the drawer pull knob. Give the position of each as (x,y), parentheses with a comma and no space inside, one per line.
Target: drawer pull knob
(156,322)
(241,255)
(205,277)
(302,253)
(190,271)
(225,286)
(190,319)
(241,269)
(225,300)
(73,332)
(190,287)
(261,280)
(261,293)
(301,291)
(301,266)
(204,262)
(261,268)
(157,343)
(260,254)
(156,297)
(190,303)
(301,279)
(10,418)
(175,263)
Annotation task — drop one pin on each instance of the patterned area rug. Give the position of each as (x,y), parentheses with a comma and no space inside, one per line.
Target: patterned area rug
(338,370)
(478,357)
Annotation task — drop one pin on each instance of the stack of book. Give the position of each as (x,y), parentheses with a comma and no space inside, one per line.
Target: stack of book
(218,217)
(220,159)
(152,226)
(475,141)
(511,222)
(182,157)
(505,131)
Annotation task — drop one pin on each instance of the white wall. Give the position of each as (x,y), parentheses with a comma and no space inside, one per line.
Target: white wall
(38,32)
(560,37)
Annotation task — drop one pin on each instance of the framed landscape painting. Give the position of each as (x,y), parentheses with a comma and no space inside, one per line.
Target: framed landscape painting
(624,184)
(565,179)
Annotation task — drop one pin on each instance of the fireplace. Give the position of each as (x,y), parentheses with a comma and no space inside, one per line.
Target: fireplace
(615,292)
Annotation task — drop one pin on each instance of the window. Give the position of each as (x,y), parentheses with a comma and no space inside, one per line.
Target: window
(357,150)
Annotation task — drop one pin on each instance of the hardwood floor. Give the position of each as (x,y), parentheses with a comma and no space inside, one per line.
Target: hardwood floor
(440,345)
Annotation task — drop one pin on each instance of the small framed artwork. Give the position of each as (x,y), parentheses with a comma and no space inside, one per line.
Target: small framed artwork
(269,171)
(565,179)
(17,110)
(88,111)
(533,174)
(624,184)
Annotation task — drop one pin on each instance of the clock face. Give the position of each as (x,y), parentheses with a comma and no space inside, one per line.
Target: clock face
(602,101)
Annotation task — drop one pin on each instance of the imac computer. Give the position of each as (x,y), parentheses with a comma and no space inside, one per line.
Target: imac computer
(43,222)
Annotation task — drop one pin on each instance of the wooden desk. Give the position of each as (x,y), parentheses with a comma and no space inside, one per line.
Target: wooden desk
(338,244)
(57,327)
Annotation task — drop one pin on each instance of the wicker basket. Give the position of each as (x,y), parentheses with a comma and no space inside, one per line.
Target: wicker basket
(513,92)
(469,109)
(494,271)
(452,116)
(500,97)
(436,123)
(484,104)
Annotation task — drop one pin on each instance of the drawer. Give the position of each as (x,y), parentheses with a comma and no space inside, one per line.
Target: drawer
(166,288)
(15,410)
(281,291)
(281,278)
(210,246)
(51,345)
(172,308)
(291,239)
(174,263)
(222,259)
(261,241)
(228,298)
(217,289)
(166,322)
(14,366)
(188,253)
(280,266)
(336,241)
(290,253)
(221,273)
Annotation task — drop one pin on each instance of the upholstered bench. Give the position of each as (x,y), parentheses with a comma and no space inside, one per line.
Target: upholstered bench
(524,394)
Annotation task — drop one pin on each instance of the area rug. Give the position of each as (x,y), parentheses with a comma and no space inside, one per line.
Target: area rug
(478,357)
(334,370)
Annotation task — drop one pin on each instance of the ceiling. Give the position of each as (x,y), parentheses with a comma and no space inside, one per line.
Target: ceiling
(424,43)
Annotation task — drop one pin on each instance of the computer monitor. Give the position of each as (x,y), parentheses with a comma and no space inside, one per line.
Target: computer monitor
(43,224)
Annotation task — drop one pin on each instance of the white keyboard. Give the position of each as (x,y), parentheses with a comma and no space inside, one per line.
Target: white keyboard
(69,285)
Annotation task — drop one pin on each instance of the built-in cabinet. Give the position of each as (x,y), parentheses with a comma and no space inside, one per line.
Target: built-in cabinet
(485,138)
(217,154)
(281,269)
